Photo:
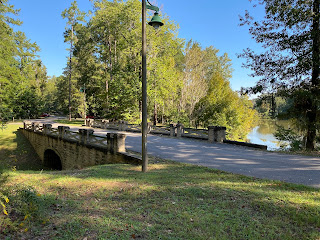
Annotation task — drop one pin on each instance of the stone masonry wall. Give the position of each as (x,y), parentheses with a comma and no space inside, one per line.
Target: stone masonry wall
(74,155)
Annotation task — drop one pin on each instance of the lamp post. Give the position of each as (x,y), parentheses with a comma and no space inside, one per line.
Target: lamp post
(156,23)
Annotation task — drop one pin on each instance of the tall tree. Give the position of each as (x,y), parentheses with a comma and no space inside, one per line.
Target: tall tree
(73,16)
(19,95)
(290,35)
(223,107)
(200,66)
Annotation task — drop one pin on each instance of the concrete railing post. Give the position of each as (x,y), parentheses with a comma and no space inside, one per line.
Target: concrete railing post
(89,122)
(211,130)
(116,142)
(47,128)
(33,126)
(149,127)
(124,126)
(221,134)
(172,130)
(85,135)
(216,134)
(179,130)
(105,123)
(62,131)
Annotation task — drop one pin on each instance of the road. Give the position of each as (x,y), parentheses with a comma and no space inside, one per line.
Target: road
(236,159)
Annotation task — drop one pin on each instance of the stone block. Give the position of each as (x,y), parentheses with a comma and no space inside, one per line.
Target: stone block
(216,133)
(116,142)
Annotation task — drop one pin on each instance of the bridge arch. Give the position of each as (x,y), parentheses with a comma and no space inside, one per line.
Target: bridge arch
(52,160)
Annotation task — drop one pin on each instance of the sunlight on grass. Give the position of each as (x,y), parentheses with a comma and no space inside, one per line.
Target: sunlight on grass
(174,200)
(171,201)
(73,122)
(7,137)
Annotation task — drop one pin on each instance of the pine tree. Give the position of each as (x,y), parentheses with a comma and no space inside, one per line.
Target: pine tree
(73,16)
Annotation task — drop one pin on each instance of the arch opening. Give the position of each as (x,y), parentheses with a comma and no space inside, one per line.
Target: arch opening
(51,160)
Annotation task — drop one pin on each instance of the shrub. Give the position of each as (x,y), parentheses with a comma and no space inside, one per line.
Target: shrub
(3,198)
(289,139)
(26,207)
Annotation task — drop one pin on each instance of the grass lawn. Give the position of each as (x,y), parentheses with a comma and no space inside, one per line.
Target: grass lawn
(72,122)
(171,201)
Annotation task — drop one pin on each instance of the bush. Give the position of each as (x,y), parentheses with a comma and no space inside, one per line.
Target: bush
(3,198)
(26,207)
(289,139)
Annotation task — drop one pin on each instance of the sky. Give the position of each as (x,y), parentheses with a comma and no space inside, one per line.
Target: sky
(209,22)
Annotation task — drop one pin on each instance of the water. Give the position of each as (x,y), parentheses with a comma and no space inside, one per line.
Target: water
(263,133)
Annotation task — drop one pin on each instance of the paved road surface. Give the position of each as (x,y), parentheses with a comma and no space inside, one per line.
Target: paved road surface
(231,158)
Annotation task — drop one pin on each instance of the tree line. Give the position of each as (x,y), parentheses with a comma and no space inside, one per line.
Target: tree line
(186,82)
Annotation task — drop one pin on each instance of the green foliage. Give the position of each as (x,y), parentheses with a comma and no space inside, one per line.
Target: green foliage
(3,198)
(290,34)
(25,209)
(106,60)
(289,139)
(3,124)
(223,107)
(22,76)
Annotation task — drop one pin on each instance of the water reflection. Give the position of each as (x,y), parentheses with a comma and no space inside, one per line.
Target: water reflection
(263,133)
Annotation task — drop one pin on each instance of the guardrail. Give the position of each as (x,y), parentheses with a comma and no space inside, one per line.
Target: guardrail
(114,142)
(212,134)
(195,133)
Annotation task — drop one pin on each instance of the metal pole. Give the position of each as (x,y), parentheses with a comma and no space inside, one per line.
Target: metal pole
(84,102)
(144,90)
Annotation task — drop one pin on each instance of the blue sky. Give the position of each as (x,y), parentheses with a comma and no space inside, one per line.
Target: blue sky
(209,22)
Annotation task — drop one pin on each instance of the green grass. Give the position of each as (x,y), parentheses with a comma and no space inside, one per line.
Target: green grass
(72,122)
(171,201)
(15,150)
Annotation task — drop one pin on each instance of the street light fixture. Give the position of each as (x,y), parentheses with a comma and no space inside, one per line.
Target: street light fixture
(156,23)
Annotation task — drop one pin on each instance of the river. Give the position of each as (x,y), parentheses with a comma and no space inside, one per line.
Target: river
(263,133)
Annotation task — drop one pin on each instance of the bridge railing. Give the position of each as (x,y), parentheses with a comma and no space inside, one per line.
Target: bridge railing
(163,130)
(114,142)
(53,132)
(72,135)
(33,126)
(212,134)
(98,140)
(133,128)
(195,133)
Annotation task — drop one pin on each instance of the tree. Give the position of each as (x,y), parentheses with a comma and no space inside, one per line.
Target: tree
(223,107)
(73,15)
(19,69)
(109,63)
(291,37)
(200,66)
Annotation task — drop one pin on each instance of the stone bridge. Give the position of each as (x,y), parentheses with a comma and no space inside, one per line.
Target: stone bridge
(62,149)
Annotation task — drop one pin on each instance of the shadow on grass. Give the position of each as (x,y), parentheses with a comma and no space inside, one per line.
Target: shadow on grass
(178,201)
(22,156)
(171,172)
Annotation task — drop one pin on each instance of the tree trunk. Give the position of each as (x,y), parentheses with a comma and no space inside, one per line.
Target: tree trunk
(70,76)
(312,113)
(155,114)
